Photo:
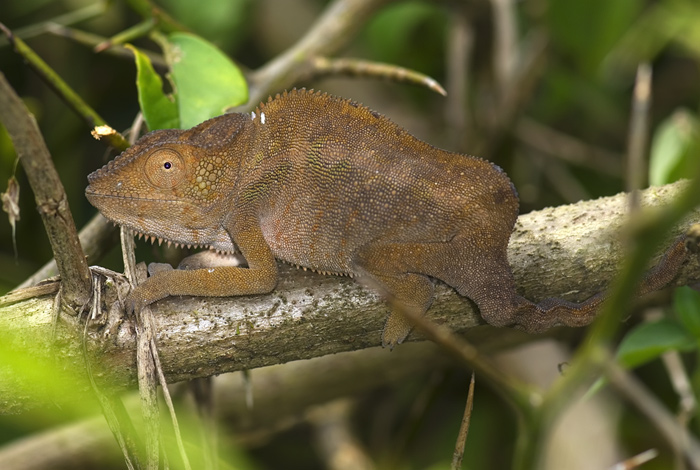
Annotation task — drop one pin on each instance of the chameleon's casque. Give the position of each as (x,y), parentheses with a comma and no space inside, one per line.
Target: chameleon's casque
(328,184)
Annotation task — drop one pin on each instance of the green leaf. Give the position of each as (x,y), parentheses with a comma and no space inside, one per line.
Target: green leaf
(686,302)
(674,148)
(649,340)
(159,110)
(206,80)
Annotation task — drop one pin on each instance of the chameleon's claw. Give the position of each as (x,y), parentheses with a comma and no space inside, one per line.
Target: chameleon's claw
(134,303)
(151,290)
(396,329)
(387,344)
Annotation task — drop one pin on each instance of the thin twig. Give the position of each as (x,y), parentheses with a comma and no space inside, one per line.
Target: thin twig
(138,30)
(166,394)
(76,16)
(637,460)
(146,374)
(64,91)
(676,436)
(24,293)
(148,10)
(321,66)
(332,30)
(92,40)
(148,391)
(460,44)
(464,428)
(150,370)
(681,384)
(567,148)
(638,134)
(112,407)
(505,46)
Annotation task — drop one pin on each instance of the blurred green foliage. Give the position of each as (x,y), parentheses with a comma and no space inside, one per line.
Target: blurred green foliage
(583,90)
(650,340)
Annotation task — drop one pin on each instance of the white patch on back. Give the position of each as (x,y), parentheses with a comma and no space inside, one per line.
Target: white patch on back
(252,115)
(262,118)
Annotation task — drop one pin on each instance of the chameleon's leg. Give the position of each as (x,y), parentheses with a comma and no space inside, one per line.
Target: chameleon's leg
(396,271)
(403,292)
(221,281)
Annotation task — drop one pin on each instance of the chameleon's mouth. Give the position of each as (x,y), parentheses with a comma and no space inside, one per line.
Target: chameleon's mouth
(93,196)
(170,243)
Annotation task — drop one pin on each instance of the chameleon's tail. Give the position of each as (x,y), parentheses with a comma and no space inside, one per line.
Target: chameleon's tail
(558,312)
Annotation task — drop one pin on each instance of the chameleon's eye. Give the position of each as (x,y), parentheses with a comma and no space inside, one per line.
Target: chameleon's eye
(165,168)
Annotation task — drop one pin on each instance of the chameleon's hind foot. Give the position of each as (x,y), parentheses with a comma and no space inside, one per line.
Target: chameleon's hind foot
(396,329)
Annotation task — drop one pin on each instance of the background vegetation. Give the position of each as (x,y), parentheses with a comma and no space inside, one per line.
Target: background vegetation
(542,88)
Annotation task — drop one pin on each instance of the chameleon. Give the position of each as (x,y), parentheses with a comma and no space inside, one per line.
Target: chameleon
(325,183)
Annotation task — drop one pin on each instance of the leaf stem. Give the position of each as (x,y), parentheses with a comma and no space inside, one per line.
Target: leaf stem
(64,91)
(138,30)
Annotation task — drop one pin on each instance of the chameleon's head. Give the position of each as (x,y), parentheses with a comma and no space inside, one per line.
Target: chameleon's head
(173,184)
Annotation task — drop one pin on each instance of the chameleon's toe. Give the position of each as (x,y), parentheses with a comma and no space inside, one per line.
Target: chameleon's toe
(134,302)
(396,330)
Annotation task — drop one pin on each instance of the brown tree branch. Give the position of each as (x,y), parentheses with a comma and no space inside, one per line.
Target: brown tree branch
(50,196)
(569,251)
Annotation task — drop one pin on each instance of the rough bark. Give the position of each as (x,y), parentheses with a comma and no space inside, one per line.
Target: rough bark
(570,251)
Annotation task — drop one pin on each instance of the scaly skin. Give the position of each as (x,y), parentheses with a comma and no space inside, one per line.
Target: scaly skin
(327,184)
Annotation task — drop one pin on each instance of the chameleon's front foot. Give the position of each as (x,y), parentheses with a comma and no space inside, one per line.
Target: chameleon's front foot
(149,291)
(135,301)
